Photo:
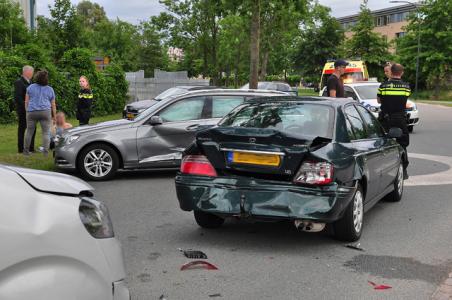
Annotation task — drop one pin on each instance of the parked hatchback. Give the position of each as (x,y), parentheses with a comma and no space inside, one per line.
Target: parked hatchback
(312,161)
(57,240)
(154,139)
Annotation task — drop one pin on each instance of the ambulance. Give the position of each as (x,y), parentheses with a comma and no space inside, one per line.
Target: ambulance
(355,71)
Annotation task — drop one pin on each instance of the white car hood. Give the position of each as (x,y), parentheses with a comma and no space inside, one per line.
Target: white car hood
(370,102)
(52,182)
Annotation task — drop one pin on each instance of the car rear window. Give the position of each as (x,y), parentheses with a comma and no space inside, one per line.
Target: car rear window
(296,118)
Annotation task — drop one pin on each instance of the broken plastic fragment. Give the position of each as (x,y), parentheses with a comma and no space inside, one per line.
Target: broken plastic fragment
(193,254)
(198,264)
(355,246)
(379,286)
(215,295)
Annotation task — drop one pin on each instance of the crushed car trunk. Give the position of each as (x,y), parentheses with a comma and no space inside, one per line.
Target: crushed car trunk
(259,153)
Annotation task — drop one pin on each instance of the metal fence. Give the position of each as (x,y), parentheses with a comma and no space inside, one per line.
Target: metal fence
(141,88)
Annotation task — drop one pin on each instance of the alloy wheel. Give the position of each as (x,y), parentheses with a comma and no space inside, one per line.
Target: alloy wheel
(358,211)
(400,181)
(98,163)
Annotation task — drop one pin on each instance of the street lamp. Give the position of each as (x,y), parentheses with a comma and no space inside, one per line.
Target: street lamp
(418,40)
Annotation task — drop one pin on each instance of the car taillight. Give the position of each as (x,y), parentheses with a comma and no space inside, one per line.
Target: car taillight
(197,165)
(312,172)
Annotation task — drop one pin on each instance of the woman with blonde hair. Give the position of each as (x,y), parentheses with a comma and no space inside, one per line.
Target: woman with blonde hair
(85,101)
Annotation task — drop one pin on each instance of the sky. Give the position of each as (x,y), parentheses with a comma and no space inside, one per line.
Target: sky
(136,10)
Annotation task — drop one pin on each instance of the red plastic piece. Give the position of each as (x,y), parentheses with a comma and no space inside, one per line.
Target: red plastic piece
(379,286)
(198,264)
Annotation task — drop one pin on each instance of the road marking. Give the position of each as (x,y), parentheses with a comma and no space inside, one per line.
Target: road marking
(439,178)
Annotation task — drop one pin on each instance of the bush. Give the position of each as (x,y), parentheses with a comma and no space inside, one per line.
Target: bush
(109,87)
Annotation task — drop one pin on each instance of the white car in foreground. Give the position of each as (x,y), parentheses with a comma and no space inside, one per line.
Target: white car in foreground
(366,93)
(57,240)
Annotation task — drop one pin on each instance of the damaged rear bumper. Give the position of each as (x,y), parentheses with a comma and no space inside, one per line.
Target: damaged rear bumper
(262,199)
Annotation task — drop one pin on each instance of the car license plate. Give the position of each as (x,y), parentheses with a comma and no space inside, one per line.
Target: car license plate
(255,159)
(130,116)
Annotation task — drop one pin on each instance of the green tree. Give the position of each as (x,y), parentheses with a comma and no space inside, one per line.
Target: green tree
(367,45)
(13,29)
(91,13)
(434,25)
(319,41)
(120,40)
(151,53)
(63,30)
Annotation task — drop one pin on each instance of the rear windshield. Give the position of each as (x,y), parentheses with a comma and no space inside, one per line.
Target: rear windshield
(296,118)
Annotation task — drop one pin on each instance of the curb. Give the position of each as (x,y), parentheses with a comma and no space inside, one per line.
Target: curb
(444,292)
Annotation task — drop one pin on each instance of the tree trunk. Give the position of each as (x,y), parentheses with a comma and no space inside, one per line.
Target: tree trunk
(437,87)
(263,72)
(236,75)
(205,63)
(254,44)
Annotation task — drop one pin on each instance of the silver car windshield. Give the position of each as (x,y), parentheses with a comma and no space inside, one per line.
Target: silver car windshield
(171,92)
(367,92)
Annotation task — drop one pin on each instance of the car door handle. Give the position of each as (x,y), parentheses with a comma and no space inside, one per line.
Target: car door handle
(193,127)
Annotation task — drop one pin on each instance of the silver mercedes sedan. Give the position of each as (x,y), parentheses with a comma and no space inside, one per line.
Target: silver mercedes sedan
(154,139)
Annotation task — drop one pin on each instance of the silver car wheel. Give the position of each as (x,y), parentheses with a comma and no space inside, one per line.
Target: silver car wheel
(98,163)
(358,211)
(400,181)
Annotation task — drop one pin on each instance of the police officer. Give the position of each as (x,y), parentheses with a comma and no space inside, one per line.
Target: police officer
(393,95)
(85,101)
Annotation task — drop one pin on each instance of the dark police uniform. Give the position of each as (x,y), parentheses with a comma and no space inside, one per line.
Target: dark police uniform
(20,90)
(84,104)
(393,95)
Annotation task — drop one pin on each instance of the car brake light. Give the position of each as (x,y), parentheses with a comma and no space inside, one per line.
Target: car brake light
(197,165)
(312,172)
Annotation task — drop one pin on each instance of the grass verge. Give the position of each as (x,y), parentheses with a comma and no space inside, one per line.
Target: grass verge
(8,146)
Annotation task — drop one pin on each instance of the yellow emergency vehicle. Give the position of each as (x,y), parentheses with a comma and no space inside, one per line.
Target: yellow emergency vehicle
(355,71)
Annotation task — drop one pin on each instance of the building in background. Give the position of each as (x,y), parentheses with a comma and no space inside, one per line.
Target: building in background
(29,9)
(175,54)
(389,21)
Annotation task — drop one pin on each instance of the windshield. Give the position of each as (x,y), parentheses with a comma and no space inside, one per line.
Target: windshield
(367,92)
(263,85)
(295,118)
(171,92)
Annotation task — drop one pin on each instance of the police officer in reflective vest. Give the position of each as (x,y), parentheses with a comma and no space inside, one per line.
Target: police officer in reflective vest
(85,101)
(393,95)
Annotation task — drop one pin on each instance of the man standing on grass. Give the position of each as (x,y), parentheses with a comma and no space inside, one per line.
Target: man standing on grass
(20,90)
(334,85)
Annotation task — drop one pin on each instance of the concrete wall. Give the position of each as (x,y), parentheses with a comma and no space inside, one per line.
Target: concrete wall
(141,88)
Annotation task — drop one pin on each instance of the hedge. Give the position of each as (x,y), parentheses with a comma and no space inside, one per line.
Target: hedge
(109,86)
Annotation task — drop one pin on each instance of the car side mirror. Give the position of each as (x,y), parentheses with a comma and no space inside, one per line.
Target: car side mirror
(155,120)
(395,132)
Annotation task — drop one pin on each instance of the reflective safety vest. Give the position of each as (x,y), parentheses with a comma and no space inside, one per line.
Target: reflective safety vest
(393,95)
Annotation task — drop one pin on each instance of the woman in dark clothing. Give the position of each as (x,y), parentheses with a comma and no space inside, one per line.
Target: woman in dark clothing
(85,101)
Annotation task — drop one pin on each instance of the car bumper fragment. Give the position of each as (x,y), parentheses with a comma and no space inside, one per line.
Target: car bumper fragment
(262,199)
(120,291)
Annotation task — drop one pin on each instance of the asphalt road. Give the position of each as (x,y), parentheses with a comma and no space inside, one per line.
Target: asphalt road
(408,245)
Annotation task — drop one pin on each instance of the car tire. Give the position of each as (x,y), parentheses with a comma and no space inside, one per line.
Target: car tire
(207,220)
(350,226)
(98,162)
(410,129)
(397,194)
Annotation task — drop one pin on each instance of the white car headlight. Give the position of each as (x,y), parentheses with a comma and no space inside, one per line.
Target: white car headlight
(96,219)
(373,109)
(72,138)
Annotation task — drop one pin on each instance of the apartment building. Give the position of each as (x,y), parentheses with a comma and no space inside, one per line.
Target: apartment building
(389,21)
(29,9)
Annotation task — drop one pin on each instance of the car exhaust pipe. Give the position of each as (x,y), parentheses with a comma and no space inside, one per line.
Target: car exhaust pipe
(309,226)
